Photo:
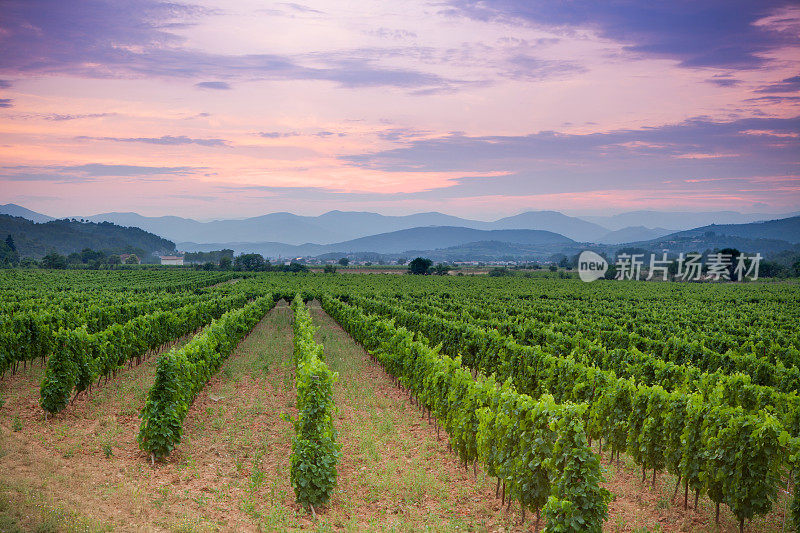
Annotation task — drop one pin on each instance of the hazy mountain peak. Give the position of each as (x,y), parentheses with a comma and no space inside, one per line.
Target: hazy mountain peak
(15,210)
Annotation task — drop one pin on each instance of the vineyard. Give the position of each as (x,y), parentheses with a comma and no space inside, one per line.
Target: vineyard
(180,400)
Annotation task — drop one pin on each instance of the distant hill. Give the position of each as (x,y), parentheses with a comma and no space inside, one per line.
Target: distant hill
(15,210)
(277,227)
(496,251)
(289,235)
(434,237)
(267,249)
(572,227)
(768,238)
(679,220)
(337,226)
(396,242)
(632,234)
(65,236)
(786,229)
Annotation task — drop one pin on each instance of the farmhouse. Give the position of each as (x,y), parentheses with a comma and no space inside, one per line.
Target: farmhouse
(172,260)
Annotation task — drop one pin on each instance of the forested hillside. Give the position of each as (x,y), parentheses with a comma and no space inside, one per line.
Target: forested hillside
(67,236)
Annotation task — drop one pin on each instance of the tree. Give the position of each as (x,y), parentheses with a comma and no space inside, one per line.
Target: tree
(344,261)
(419,266)
(114,259)
(225,263)
(329,269)
(132,260)
(441,269)
(10,243)
(295,267)
(54,260)
(8,256)
(88,255)
(208,265)
(732,254)
(249,262)
(771,269)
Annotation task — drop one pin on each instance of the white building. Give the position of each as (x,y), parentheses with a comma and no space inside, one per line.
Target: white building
(172,260)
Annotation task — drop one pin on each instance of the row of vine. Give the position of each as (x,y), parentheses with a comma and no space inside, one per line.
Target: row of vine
(182,373)
(315,451)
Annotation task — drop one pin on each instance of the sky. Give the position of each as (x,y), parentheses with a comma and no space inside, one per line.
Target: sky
(482,109)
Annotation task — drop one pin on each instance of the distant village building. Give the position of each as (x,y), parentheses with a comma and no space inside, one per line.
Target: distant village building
(172,260)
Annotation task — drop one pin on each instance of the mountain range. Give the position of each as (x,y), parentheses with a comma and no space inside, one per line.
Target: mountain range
(531,234)
(398,242)
(339,226)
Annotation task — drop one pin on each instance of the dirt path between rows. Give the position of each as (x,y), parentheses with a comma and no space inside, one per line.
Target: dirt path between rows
(394,474)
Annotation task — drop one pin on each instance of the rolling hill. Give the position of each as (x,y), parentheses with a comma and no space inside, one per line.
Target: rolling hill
(786,229)
(430,238)
(65,236)
(679,220)
(338,226)
(572,227)
(397,242)
(15,210)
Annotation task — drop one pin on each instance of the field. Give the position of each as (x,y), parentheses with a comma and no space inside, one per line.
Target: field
(190,401)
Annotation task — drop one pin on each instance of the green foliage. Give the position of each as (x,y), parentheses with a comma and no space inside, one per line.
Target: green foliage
(419,266)
(315,452)
(514,435)
(577,502)
(67,236)
(678,430)
(54,260)
(652,440)
(747,449)
(81,357)
(182,373)
(795,510)
(440,269)
(9,256)
(214,256)
(249,262)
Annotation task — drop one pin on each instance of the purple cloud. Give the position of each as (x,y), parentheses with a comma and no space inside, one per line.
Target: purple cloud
(218,85)
(549,161)
(724,80)
(164,140)
(117,39)
(101,170)
(714,33)
(789,85)
(55,117)
(88,172)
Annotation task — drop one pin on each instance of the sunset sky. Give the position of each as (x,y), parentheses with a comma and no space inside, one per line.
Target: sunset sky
(227,109)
